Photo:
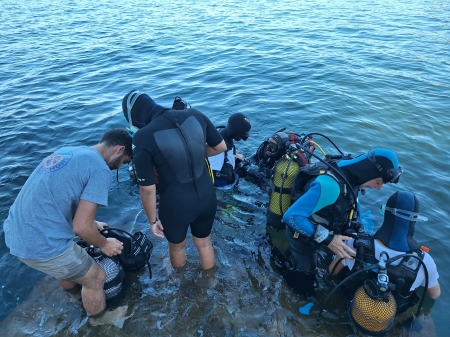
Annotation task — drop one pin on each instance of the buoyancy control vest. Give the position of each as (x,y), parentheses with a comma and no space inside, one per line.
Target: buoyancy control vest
(335,217)
(402,275)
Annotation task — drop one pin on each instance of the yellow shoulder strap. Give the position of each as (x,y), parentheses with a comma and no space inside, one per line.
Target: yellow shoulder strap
(208,166)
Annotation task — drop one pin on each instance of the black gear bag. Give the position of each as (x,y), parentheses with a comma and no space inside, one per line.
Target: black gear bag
(137,248)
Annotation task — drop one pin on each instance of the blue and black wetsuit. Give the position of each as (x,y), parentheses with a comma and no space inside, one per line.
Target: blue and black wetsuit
(326,202)
(174,143)
(316,206)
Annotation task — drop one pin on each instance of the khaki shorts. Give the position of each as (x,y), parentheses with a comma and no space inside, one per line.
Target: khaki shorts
(70,265)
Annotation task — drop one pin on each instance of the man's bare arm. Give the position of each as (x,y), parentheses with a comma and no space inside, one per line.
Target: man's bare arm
(148,198)
(85,227)
(212,151)
(434,292)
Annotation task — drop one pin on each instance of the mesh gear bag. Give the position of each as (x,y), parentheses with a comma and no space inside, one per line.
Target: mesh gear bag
(115,274)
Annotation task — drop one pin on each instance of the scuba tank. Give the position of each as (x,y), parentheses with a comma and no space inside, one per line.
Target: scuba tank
(373,307)
(284,174)
(298,155)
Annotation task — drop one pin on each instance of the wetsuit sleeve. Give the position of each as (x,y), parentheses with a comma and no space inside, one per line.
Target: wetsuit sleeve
(143,162)
(213,137)
(323,191)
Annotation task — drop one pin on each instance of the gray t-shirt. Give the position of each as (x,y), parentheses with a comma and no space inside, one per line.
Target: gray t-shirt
(39,224)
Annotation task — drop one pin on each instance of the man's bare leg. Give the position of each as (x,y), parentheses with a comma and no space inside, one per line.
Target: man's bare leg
(67,285)
(206,252)
(177,252)
(92,293)
(72,288)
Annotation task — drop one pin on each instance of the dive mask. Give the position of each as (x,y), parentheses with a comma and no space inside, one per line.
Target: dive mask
(392,175)
(272,147)
(401,213)
(245,136)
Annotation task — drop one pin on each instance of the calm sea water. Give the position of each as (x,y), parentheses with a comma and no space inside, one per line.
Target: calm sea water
(366,74)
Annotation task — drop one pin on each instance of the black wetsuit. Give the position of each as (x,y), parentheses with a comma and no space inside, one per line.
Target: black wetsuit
(174,143)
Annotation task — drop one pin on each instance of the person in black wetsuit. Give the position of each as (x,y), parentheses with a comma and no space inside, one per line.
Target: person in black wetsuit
(223,164)
(176,143)
(259,167)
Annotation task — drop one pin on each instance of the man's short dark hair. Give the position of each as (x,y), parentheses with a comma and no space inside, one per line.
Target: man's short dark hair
(115,137)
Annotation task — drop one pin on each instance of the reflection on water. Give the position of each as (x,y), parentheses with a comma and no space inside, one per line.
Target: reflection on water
(365,73)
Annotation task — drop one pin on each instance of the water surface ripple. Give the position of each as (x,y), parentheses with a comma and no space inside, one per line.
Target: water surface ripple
(366,74)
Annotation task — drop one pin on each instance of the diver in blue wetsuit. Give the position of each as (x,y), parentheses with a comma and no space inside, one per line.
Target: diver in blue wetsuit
(176,143)
(326,207)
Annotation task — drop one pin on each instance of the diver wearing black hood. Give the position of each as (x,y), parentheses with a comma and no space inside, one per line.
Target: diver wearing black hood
(173,142)
(395,237)
(325,207)
(260,165)
(223,164)
(272,149)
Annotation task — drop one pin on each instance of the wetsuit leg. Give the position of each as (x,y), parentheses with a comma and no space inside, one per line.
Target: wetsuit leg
(177,209)
(304,258)
(202,225)
(181,207)
(303,253)
(175,227)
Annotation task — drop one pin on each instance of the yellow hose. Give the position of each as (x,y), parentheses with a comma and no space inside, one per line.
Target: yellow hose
(318,146)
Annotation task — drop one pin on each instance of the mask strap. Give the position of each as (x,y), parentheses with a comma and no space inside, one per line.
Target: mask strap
(371,157)
(404,214)
(132,97)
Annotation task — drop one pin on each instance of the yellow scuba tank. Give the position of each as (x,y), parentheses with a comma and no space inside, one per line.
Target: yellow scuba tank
(285,171)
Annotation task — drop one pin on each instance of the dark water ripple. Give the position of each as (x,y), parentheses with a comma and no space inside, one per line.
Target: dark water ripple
(366,74)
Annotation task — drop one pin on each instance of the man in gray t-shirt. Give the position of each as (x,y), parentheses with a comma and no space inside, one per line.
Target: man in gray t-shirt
(60,199)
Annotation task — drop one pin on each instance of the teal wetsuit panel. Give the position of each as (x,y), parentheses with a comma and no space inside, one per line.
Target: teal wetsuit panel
(323,191)
(329,192)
